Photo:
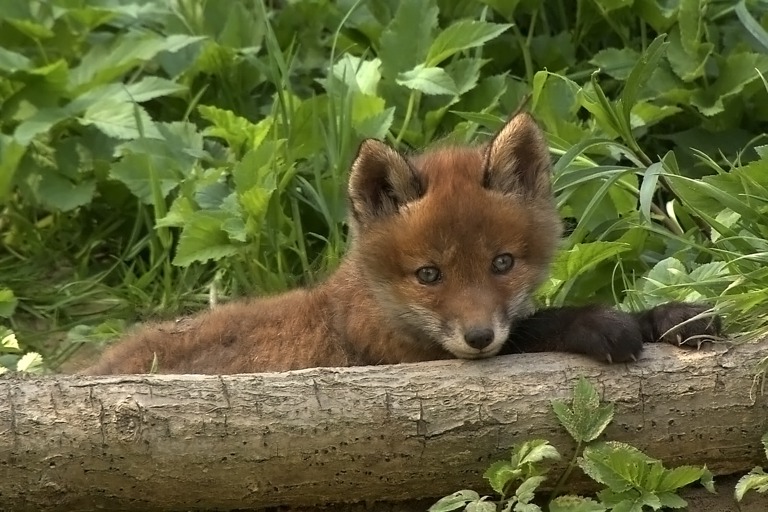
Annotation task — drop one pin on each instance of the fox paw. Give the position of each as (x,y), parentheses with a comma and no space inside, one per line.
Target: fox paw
(674,323)
(608,335)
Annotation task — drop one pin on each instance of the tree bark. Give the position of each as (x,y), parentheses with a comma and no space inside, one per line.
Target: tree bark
(180,442)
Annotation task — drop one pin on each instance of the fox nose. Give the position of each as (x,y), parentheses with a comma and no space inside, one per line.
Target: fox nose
(478,338)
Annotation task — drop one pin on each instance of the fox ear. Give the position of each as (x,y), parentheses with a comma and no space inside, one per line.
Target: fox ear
(380,181)
(517,160)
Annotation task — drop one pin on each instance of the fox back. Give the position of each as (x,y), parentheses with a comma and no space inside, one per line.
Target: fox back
(446,248)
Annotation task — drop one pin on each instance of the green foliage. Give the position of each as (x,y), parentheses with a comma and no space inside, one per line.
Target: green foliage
(756,479)
(633,481)
(150,148)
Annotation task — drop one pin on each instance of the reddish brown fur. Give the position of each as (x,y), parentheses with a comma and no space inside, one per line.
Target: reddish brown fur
(455,208)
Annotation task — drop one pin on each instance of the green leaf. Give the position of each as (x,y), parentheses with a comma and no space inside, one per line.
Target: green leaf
(678,477)
(203,239)
(461,35)
(11,62)
(637,77)
(138,171)
(31,362)
(583,257)
(586,419)
(616,63)
(500,473)
(8,302)
(361,75)
(12,152)
(754,28)
(575,504)
(527,489)
(756,479)
(614,464)
(454,501)
(480,506)
(120,120)
(648,188)
(427,80)
(60,193)
(406,40)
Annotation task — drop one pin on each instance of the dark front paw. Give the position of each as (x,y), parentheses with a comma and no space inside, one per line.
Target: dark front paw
(676,323)
(608,335)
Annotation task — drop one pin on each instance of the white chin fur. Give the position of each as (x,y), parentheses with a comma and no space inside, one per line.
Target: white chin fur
(456,345)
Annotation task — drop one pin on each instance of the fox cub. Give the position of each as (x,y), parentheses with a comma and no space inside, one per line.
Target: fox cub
(445,251)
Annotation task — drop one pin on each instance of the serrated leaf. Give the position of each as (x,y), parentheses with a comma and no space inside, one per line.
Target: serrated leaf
(536,450)
(454,501)
(461,35)
(203,239)
(616,62)
(526,491)
(31,362)
(586,419)
(138,171)
(575,504)
(8,302)
(671,500)
(427,80)
(236,130)
(678,477)
(756,479)
(480,506)
(120,120)
(500,473)
(405,42)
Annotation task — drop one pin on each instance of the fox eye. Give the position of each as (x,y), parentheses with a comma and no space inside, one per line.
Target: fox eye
(502,263)
(428,275)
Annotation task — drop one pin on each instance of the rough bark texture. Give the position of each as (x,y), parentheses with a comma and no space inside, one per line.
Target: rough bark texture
(346,435)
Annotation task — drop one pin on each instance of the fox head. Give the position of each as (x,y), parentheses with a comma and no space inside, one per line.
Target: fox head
(452,242)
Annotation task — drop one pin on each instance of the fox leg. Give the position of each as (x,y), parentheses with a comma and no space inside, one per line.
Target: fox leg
(607,334)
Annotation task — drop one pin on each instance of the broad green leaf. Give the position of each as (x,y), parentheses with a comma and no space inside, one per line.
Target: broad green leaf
(678,477)
(690,21)
(461,35)
(671,500)
(120,120)
(454,501)
(583,257)
(465,74)
(405,42)
(138,171)
(8,302)
(40,122)
(146,89)
(536,450)
(106,62)
(427,80)
(10,61)
(60,193)
(738,71)
(203,239)
(687,66)
(612,464)
(526,507)
(615,62)
(361,75)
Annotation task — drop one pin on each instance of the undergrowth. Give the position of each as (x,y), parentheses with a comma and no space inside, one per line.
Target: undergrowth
(153,151)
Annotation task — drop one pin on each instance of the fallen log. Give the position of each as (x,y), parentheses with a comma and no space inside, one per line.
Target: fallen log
(179,442)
